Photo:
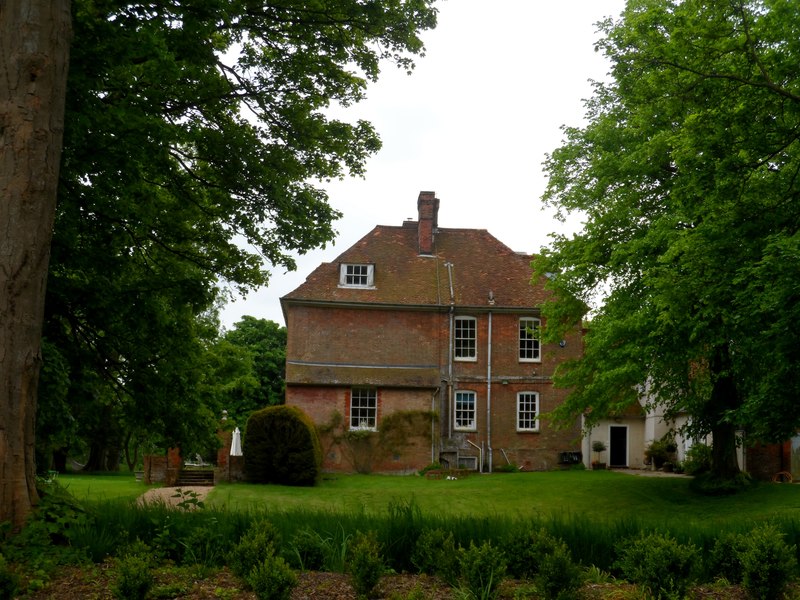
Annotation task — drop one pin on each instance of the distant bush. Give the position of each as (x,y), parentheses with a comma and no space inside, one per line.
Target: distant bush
(698,460)
(659,564)
(281,446)
(306,550)
(709,484)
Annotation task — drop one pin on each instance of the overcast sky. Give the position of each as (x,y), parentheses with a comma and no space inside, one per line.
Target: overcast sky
(472,123)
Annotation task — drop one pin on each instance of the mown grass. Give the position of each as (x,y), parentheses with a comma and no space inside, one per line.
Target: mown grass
(103,486)
(600,496)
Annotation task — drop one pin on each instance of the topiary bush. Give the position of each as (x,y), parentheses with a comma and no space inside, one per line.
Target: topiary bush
(259,542)
(545,559)
(435,554)
(281,446)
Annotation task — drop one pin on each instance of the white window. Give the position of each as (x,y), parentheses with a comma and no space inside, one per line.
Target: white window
(357,275)
(529,346)
(363,408)
(465,338)
(465,411)
(528,411)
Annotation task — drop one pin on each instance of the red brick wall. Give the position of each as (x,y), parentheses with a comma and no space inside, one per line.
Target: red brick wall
(388,337)
(765,460)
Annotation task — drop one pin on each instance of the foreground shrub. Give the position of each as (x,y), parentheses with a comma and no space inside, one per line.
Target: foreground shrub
(134,577)
(365,563)
(256,545)
(281,446)
(540,556)
(768,563)
(306,550)
(483,568)
(8,581)
(659,564)
(725,559)
(272,579)
(435,554)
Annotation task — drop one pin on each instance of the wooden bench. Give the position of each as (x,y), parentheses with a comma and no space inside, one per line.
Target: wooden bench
(445,473)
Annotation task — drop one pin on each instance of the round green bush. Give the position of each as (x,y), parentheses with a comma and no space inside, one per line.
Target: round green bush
(281,446)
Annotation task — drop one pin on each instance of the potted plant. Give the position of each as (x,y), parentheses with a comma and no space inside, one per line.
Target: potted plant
(598,448)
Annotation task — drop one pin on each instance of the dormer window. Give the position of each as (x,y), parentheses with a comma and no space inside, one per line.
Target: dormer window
(357,275)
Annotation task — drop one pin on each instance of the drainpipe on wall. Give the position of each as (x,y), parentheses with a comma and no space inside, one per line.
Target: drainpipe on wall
(433,425)
(450,399)
(489,396)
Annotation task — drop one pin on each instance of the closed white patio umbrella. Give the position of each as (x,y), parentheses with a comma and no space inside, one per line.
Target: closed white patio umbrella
(236,443)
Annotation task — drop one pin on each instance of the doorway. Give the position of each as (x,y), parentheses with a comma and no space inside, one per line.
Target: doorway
(618,446)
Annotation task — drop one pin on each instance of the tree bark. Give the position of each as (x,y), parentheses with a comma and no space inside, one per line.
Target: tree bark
(724,397)
(34,58)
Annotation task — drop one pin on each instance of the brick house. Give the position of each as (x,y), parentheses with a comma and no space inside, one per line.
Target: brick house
(419,344)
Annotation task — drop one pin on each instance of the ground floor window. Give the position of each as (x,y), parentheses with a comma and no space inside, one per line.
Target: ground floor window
(363,408)
(465,411)
(528,411)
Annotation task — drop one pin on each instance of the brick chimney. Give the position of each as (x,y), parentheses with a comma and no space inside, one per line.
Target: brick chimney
(428,208)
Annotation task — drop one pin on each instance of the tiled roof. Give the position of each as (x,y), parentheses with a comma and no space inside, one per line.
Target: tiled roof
(480,264)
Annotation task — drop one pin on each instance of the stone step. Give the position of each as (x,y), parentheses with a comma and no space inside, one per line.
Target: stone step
(195,477)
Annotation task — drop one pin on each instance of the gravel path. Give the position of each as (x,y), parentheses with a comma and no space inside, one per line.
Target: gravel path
(171,496)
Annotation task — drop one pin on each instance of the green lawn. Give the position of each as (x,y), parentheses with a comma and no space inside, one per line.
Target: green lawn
(106,486)
(593,494)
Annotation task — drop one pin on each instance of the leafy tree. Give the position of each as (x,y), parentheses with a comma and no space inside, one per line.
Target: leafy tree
(190,127)
(687,177)
(264,342)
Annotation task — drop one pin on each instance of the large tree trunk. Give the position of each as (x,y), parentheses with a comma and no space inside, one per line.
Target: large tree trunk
(34,58)
(724,397)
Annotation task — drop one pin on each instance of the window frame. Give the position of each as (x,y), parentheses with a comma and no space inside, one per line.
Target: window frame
(459,341)
(458,413)
(529,428)
(370,395)
(534,340)
(369,275)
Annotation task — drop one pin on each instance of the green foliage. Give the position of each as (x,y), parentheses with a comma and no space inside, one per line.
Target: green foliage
(725,559)
(540,556)
(258,543)
(658,563)
(272,579)
(686,183)
(483,568)
(365,562)
(698,460)
(431,467)
(9,582)
(435,553)
(768,563)
(264,344)
(710,484)
(134,577)
(399,537)
(661,451)
(306,550)
(206,175)
(281,446)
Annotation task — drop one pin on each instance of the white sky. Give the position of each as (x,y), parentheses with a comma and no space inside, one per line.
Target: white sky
(472,123)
